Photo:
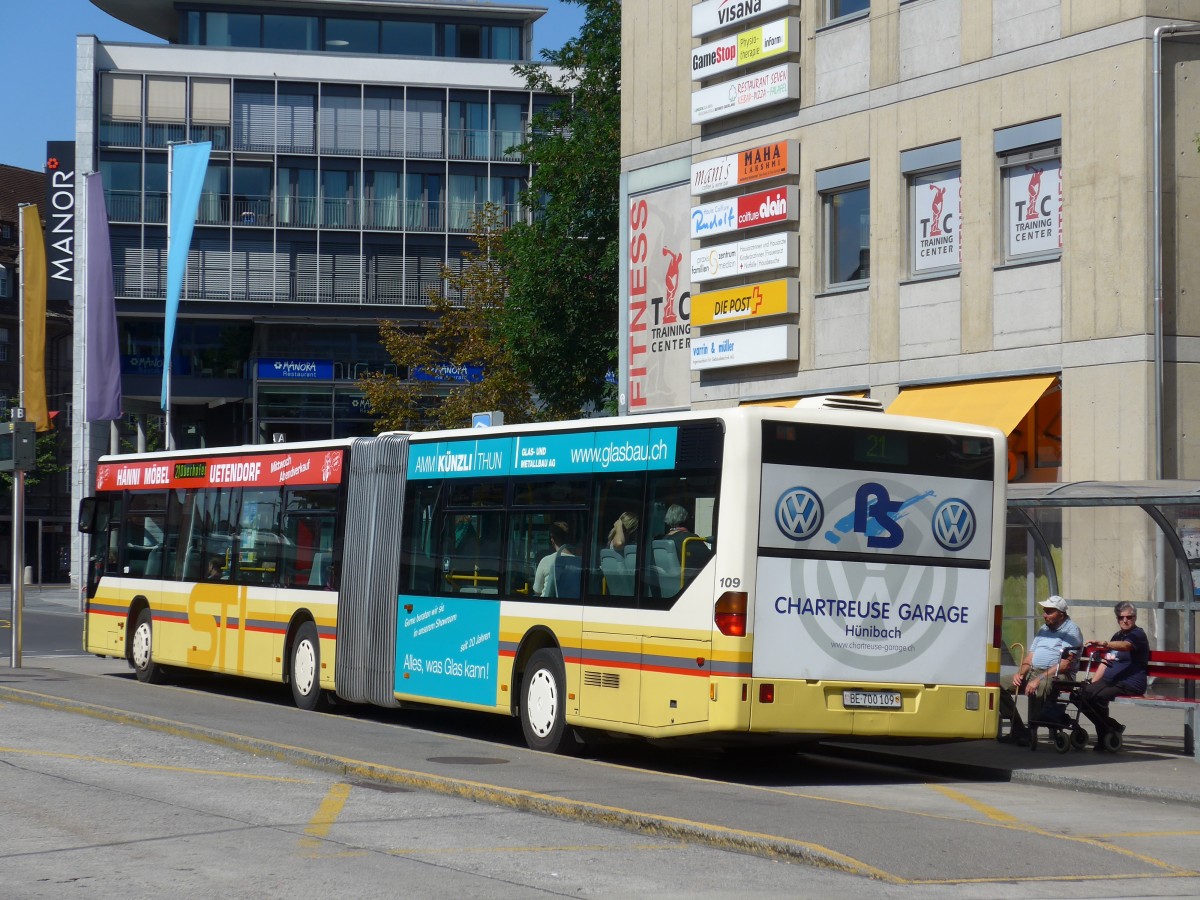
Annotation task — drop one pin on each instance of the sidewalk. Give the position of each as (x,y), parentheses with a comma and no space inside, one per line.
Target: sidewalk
(1151,764)
(35,596)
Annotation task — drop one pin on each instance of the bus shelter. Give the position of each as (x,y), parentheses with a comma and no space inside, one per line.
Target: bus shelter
(1099,542)
(1139,539)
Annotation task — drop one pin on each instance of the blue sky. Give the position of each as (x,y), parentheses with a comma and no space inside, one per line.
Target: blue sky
(37,44)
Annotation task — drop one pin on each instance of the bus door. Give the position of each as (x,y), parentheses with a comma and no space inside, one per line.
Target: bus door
(104,630)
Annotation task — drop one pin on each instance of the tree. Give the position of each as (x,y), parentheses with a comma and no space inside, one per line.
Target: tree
(462,340)
(560,319)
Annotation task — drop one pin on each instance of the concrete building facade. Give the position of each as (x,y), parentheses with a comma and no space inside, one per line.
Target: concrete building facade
(970,224)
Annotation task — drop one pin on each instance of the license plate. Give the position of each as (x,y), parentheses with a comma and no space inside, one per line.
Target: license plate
(871,699)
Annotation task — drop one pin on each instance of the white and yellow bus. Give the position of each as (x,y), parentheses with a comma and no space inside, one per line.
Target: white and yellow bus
(792,573)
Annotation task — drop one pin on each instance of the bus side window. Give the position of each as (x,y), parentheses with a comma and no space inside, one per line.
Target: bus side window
(418,568)
(308,529)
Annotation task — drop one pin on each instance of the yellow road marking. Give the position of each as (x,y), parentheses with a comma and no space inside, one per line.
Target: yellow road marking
(141,765)
(326,815)
(991,812)
(580,848)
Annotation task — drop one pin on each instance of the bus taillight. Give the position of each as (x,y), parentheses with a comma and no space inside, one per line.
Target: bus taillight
(997,625)
(730,614)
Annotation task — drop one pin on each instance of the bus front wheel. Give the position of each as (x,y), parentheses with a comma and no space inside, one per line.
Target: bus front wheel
(543,704)
(306,668)
(141,651)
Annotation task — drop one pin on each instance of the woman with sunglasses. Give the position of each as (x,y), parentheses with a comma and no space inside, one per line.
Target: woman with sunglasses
(1126,657)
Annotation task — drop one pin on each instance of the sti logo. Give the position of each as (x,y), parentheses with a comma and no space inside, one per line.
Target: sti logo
(954,524)
(799,513)
(875,516)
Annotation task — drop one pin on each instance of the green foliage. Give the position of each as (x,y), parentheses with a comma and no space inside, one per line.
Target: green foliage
(560,318)
(462,334)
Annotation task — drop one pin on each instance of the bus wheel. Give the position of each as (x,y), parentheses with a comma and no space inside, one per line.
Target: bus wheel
(543,704)
(306,668)
(141,653)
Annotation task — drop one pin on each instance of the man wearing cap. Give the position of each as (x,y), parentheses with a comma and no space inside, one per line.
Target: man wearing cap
(1041,664)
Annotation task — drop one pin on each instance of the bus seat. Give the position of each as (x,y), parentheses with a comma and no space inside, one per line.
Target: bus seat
(666,560)
(319,569)
(617,575)
(567,575)
(154,563)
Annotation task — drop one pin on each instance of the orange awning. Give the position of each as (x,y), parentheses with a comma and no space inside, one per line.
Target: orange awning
(1002,403)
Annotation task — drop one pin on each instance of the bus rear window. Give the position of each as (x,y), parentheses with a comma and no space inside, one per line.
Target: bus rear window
(877,450)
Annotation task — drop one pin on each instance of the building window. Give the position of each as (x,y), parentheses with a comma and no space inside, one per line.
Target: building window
(840,10)
(1030,159)
(3,345)
(846,213)
(934,178)
(5,283)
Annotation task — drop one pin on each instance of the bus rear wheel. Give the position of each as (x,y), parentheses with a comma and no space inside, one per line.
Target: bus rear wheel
(305,676)
(543,704)
(141,650)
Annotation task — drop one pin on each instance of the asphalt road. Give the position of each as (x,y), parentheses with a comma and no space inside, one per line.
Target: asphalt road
(217,785)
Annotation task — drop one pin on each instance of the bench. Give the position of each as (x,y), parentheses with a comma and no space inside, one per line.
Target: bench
(1174,666)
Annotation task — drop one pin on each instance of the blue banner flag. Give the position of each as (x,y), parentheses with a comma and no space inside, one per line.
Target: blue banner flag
(188,165)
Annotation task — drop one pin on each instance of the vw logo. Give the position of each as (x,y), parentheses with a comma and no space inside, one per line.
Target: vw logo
(953,524)
(799,513)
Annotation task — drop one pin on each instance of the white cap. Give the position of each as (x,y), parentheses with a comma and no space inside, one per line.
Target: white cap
(1055,602)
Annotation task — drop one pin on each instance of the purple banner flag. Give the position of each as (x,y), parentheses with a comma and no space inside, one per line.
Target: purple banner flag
(102,390)
(189,162)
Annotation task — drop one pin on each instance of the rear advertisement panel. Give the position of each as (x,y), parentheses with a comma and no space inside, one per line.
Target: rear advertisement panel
(834,608)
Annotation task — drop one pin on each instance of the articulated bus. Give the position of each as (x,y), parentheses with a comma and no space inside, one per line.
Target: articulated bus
(781,574)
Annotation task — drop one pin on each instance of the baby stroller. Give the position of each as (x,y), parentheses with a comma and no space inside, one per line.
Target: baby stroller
(1059,716)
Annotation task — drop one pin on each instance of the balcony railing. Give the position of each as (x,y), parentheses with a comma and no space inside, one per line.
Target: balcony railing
(464,212)
(383,215)
(123,206)
(422,215)
(502,141)
(120,134)
(250,211)
(339,212)
(296,212)
(159,134)
(217,134)
(468,143)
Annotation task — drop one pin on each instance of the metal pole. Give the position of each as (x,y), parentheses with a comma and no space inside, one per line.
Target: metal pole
(1156,87)
(17,567)
(168,441)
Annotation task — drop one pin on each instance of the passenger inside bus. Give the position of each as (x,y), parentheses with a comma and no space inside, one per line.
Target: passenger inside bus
(545,582)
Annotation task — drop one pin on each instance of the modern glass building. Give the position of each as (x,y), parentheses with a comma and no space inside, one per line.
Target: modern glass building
(351,144)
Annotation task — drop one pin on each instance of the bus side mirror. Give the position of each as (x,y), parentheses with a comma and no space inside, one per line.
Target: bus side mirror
(87,515)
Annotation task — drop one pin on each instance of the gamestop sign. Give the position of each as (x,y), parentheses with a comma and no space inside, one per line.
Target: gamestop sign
(713,15)
(746,48)
(738,213)
(753,91)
